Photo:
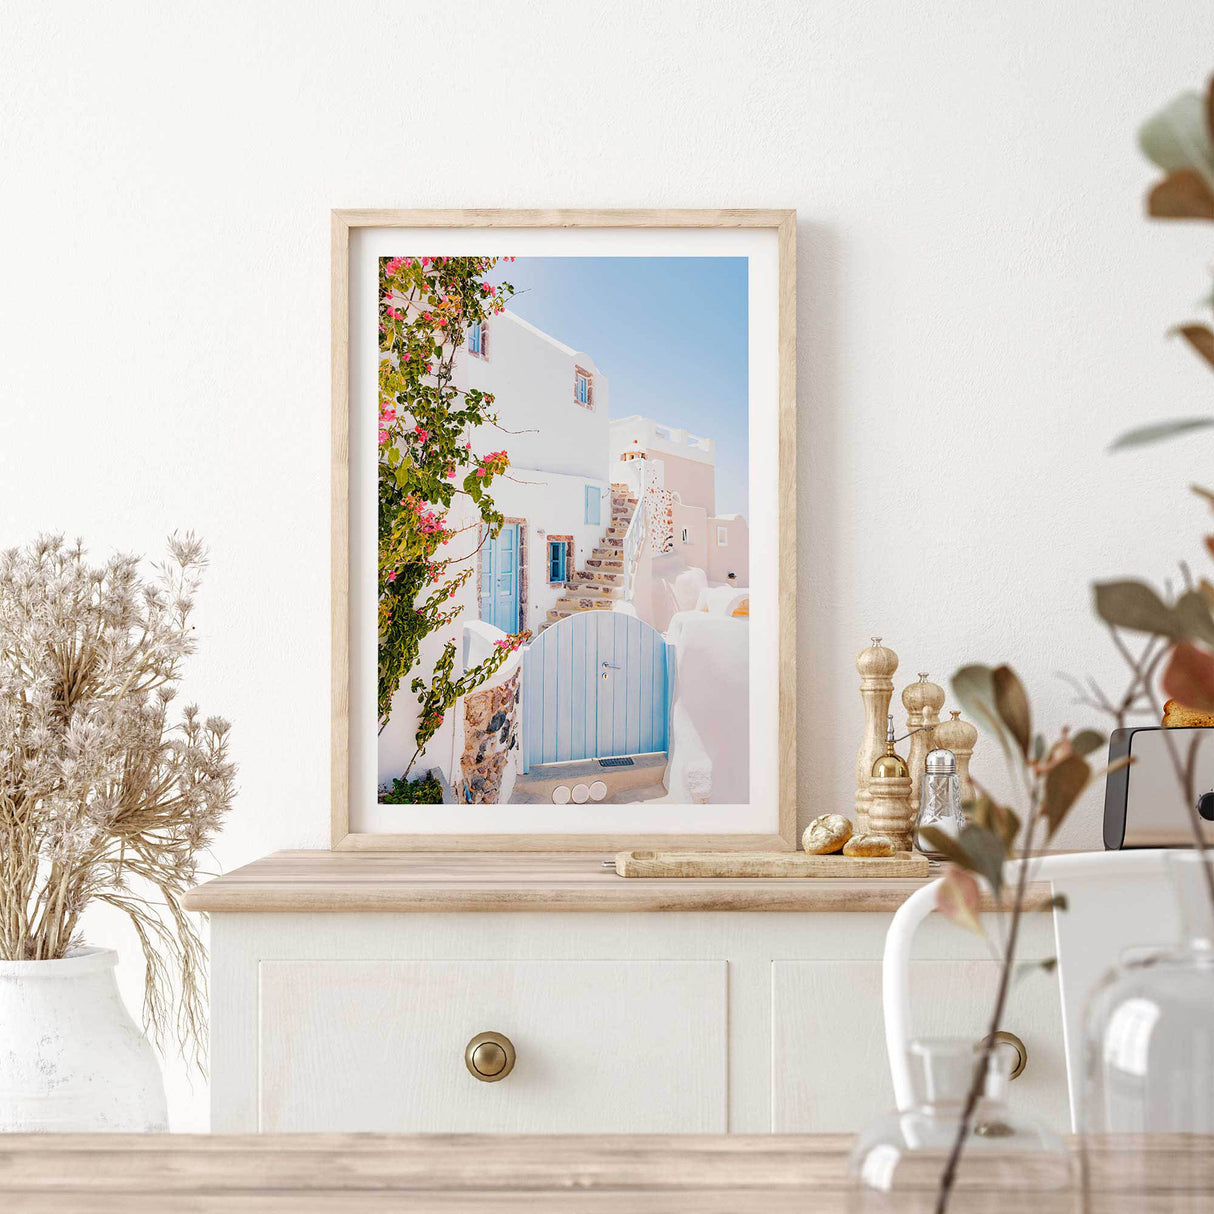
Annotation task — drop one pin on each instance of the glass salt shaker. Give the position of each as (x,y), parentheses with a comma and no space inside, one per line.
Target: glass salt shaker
(939,801)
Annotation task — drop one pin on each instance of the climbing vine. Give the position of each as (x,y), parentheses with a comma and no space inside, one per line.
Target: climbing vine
(426,307)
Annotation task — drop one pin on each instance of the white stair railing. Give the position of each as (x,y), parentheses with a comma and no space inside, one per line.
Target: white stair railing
(634,545)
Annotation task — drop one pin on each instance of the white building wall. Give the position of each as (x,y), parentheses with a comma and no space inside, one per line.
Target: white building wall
(637,433)
(531,376)
(551,505)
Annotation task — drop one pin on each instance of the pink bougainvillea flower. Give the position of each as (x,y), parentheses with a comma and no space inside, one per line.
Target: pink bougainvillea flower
(467,446)
(421,434)
(408,357)
(392,576)
(480,472)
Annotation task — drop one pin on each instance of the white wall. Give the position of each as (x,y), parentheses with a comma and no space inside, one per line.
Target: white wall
(556,505)
(531,377)
(981,305)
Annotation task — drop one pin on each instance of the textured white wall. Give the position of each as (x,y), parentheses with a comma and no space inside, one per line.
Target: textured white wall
(982,306)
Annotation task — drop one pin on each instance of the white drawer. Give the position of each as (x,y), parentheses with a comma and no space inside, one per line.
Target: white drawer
(829,1066)
(602,1046)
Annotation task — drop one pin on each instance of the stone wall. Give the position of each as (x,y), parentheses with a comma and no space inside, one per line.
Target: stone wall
(490,734)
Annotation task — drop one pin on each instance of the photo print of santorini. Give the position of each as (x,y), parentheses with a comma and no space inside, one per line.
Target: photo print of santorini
(563,572)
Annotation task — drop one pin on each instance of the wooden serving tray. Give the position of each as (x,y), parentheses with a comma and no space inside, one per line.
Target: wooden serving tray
(766,864)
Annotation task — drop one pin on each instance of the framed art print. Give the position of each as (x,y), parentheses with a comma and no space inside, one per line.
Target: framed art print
(564,545)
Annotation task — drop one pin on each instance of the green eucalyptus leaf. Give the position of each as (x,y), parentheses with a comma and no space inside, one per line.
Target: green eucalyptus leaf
(1012,705)
(974,688)
(1086,741)
(1194,618)
(1063,784)
(1157,431)
(987,854)
(1134,605)
(947,846)
(1178,138)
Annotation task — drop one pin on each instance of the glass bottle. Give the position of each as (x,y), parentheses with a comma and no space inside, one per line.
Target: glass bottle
(896,1164)
(939,801)
(1150,1025)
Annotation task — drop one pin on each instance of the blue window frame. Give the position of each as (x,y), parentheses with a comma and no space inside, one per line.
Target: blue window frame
(593,498)
(476,339)
(583,393)
(558,553)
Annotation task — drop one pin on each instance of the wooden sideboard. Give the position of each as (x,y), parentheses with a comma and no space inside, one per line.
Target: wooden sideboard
(346,987)
(470,1174)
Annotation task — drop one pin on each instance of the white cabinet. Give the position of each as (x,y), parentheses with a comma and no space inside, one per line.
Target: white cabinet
(828,1049)
(601,1046)
(689,1022)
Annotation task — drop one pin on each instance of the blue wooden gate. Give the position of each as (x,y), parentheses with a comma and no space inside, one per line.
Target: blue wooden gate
(500,580)
(595,684)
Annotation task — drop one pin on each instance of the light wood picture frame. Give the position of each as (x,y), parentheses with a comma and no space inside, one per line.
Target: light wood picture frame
(363,243)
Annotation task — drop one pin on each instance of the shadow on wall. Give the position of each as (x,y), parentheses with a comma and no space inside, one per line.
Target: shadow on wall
(825,606)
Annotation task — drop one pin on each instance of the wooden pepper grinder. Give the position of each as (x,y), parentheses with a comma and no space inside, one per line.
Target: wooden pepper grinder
(876,666)
(890,812)
(922,701)
(960,737)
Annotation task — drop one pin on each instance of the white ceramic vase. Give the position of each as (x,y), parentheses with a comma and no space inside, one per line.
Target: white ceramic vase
(71,1057)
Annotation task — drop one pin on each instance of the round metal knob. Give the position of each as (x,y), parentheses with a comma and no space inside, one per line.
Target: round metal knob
(489,1056)
(1011,1041)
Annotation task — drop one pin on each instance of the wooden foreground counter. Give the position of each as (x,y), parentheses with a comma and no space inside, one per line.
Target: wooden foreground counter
(459,1174)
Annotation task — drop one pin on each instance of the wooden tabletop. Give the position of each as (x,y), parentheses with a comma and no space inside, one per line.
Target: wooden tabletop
(519,881)
(461,1174)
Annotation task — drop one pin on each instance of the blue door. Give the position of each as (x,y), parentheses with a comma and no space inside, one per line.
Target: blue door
(595,684)
(499,579)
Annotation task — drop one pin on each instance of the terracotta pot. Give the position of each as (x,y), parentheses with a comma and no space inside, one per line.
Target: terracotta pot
(71,1057)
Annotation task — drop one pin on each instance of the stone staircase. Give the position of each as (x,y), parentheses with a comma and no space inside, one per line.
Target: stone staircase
(601,582)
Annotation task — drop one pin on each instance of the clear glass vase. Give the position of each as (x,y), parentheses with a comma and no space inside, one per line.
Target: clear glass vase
(898,1162)
(1149,1036)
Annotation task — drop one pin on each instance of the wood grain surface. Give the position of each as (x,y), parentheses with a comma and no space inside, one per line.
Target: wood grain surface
(735,865)
(707,1174)
(294,881)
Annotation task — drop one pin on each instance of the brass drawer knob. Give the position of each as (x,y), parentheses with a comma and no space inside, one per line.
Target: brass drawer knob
(489,1056)
(1011,1041)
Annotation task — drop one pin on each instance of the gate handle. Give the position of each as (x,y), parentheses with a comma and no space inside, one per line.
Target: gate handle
(611,666)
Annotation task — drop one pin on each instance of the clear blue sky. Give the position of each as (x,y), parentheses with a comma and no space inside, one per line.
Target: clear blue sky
(670,333)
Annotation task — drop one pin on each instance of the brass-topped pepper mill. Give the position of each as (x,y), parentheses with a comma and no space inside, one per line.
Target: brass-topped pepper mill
(890,811)
(876,666)
(922,701)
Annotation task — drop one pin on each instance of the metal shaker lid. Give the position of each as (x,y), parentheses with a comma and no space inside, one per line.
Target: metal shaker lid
(941,763)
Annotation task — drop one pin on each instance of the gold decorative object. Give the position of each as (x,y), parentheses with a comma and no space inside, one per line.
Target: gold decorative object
(489,1056)
(890,810)
(1003,1037)
(960,737)
(869,845)
(876,666)
(922,701)
(826,834)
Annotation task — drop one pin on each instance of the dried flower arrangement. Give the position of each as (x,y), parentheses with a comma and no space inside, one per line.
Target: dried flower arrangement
(102,798)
